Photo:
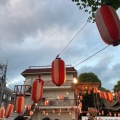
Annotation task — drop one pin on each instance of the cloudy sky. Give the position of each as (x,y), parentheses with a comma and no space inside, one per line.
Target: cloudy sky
(34,32)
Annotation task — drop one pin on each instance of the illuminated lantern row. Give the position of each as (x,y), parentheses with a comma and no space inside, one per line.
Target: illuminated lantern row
(20,104)
(108,24)
(37,90)
(58,72)
(106,95)
(9,110)
(2,112)
(118,95)
(95,90)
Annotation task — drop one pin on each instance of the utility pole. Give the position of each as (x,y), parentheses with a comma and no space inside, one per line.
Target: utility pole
(3,70)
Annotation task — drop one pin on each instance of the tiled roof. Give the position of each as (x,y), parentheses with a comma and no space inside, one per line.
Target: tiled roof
(44,70)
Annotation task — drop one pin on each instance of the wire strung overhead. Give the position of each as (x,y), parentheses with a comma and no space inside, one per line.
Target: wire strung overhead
(72,39)
(91,56)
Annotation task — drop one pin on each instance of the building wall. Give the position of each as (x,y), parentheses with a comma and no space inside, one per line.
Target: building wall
(52,94)
(30,79)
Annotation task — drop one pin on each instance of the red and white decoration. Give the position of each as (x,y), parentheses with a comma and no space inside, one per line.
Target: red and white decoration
(31,112)
(58,72)
(29,107)
(61,97)
(9,110)
(20,104)
(53,111)
(108,24)
(37,90)
(2,112)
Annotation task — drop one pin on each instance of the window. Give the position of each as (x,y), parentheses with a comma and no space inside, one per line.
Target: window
(5,96)
(9,98)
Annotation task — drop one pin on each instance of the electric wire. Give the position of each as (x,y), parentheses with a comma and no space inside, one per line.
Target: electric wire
(91,56)
(10,86)
(72,39)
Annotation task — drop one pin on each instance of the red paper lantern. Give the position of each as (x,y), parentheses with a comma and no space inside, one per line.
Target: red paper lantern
(53,111)
(2,112)
(29,107)
(83,92)
(118,95)
(9,110)
(102,112)
(108,24)
(89,92)
(110,96)
(46,102)
(31,112)
(61,97)
(76,91)
(43,112)
(20,104)
(80,104)
(68,109)
(105,95)
(95,90)
(101,94)
(82,88)
(37,90)
(90,88)
(58,72)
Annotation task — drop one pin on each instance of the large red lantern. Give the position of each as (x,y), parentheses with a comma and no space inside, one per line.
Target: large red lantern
(37,90)
(108,25)
(20,104)
(9,110)
(2,112)
(58,72)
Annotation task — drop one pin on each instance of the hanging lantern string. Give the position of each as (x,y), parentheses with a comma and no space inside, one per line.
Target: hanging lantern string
(91,56)
(72,39)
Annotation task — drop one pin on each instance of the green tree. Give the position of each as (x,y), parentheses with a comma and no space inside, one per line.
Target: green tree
(91,100)
(117,87)
(88,77)
(91,6)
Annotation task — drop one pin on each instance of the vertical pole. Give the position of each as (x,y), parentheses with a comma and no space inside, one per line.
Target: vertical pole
(3,81)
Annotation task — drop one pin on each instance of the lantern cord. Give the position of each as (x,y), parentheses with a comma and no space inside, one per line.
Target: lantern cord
(72,38)
(91,56)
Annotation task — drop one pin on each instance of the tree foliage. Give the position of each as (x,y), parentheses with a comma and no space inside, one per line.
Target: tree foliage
(117,87)
(88,77)
(91,6)
(91,100)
